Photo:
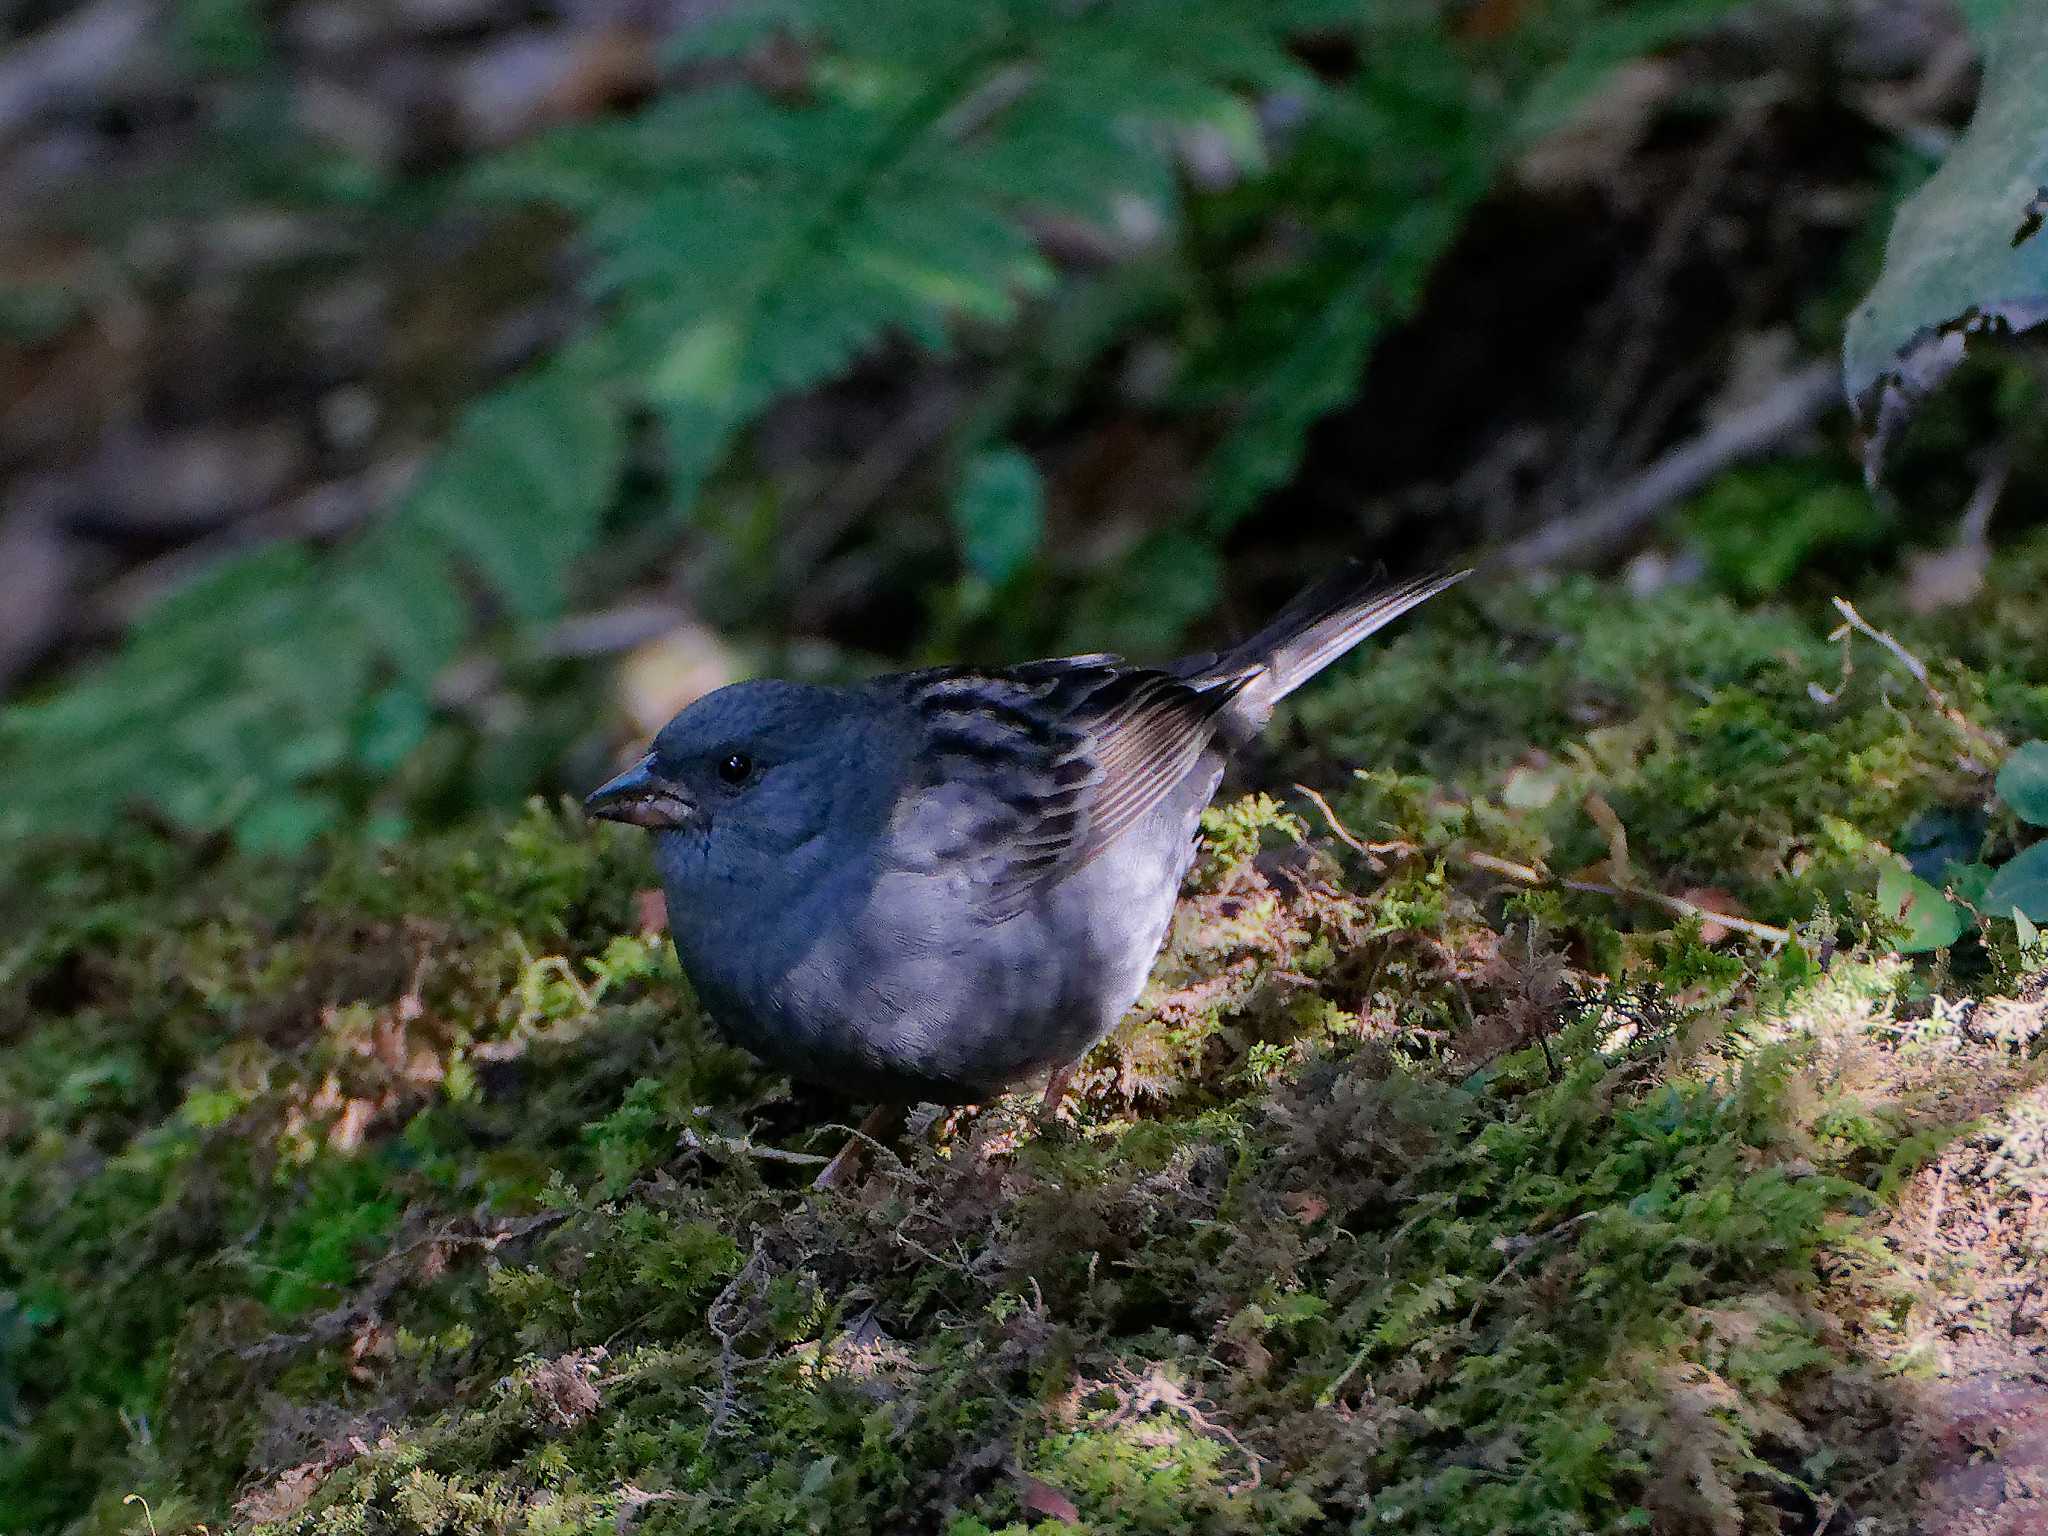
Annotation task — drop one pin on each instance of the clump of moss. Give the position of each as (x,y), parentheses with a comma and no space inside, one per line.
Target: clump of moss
(227,1092)
(1754,759)
(1453,1305)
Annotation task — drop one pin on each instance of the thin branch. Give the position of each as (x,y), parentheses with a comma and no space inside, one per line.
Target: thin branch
(734,1146)
(809,537)
(1521,1248)
(1799,401)
(1337,828)
(1770,933)
(1641,302)
(1534,876)
(1979,738)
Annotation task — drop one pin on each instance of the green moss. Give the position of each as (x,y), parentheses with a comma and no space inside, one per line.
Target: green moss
(1491,678)
(310,1257)
(1763,525)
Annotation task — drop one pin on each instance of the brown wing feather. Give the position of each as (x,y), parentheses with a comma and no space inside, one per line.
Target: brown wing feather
(1035,770)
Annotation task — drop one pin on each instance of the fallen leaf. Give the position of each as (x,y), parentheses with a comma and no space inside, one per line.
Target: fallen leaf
(1305,1207)
(1044,1499)
(653,912)
(1617,835)
(1533,785)
(347,1132)
(276,1501)
(1711,898)
(565,1389)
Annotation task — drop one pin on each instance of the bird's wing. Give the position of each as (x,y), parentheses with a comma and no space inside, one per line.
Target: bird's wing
(1029,772)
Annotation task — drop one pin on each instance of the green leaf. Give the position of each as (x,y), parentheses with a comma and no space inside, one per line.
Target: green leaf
(999,515)
(1931,920)
(1981,16)
(393,723)
(286,823)
(1968,254)
(2022,884)
(222,36)
(2023,782)
(1968,882)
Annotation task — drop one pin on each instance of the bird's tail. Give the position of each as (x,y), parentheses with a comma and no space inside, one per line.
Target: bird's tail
(1313,630)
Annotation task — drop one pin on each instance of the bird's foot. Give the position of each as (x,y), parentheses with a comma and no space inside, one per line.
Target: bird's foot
(1055,1096)
(882,1123)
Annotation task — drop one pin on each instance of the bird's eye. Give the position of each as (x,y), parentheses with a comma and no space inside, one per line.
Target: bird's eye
(735,767)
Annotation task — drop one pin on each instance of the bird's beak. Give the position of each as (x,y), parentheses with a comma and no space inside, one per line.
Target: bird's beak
(642,797)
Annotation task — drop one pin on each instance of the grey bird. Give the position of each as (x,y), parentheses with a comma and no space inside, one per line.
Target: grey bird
(933,885)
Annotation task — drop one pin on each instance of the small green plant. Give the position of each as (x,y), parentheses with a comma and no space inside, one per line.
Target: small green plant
(1936,916)
(2020,886)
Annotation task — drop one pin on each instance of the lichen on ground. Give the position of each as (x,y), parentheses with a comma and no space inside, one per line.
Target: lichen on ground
(407,1191)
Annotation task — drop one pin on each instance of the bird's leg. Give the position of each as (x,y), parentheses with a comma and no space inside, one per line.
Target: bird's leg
(1055,1092)
(882,1122)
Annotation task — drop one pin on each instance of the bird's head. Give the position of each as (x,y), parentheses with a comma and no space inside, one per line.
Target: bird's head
(751,772)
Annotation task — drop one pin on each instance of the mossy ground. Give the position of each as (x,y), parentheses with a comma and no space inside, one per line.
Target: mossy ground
(406,1191)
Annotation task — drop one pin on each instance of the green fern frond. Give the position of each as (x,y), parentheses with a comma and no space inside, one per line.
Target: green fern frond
(1381,184)
(1378,187)
(743,248)
(748,249)
(279,670)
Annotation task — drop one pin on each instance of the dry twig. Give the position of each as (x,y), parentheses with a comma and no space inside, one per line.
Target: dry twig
(1519,1249)
(1531,875)
(1981,742)
(725,1320)
(735,1146)
(1800,400)
(1637,312)
(1139,1395)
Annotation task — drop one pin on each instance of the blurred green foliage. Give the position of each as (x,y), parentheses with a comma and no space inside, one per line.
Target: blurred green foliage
(999,515)
(1762,526)
(751,240)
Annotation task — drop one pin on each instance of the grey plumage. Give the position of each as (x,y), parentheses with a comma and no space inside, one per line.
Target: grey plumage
(937,883)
